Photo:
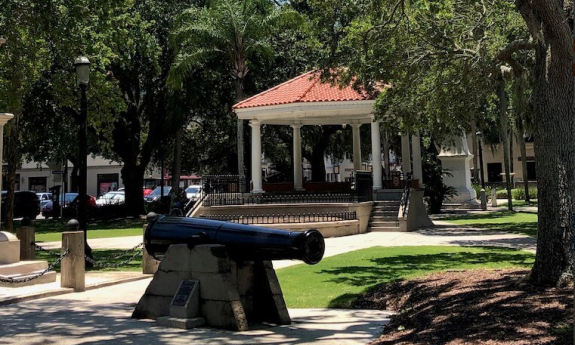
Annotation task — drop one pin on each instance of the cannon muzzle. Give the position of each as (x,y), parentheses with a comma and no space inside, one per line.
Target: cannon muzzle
(243,242)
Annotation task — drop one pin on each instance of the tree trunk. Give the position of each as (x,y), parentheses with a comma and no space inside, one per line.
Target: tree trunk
(12,160)
(505,141)
(475,155)
(240,130)
(133,178)
(523,149)
(554,140)
(177,162)
(511,137)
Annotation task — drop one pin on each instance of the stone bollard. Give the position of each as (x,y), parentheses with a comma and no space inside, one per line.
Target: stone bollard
(73,270)
(493,197)
(149,264)
(483,199)
(27,236)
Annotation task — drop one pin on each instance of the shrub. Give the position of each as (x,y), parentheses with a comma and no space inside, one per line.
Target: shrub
(502,194)
(477,189)
(519,193)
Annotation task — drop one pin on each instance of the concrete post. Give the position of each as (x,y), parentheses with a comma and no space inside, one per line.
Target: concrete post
(297,167)
(356,147)
(376,155)
(149,264)
(416,148)
(256,157)
(73,270)
(405,155)
(483,199)
(493,196)
(27,236)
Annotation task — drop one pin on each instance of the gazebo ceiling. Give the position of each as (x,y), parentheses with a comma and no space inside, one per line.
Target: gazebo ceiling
(307,101)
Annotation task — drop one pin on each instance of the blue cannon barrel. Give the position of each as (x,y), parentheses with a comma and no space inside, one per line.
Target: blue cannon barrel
(243,242)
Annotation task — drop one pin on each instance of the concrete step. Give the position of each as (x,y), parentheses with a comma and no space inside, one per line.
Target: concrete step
(385,208)
(383,218)
(384,224)
(385,213)
(22,267)
(48,277)
(384,229)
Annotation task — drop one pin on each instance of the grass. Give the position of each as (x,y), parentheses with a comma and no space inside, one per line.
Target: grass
(104,257)
(517,222)
(49,230)
(520,203)
(337,281)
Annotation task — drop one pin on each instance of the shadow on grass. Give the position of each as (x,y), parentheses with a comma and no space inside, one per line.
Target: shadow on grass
(389,269)
(45,226)
(527,228)
(488,215)
(106,260)
(502,309)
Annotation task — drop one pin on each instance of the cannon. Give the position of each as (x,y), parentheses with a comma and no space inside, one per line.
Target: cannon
(243,242)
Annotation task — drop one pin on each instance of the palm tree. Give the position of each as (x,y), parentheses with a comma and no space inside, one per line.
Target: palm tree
(234,30)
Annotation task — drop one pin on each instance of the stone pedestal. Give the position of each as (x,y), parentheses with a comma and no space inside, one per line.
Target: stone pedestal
(9,248)
(232,293)
(455,161)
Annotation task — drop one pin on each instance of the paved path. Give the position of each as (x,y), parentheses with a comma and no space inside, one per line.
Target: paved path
(102,316)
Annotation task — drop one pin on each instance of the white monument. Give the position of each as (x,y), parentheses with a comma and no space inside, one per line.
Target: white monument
(455,161)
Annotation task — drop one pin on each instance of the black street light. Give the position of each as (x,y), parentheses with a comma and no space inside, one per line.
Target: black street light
(82,65)
(479,135)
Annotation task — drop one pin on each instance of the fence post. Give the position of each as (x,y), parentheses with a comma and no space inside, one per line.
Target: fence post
(73,269)
(149,264)
(26,235)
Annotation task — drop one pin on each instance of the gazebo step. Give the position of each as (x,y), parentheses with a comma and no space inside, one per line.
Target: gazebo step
(384,224)
(384,218)
(385,229)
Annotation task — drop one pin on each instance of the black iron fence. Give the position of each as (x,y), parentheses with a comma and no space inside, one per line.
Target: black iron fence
(255,199)
(285,218)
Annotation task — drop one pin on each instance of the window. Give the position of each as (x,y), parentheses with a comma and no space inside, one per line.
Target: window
(494,171)
(37,184)
(531,174)
(107,183)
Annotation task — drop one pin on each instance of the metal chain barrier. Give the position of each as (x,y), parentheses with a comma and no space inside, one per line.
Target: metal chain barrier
(45,250)
(119,264)
(36,276)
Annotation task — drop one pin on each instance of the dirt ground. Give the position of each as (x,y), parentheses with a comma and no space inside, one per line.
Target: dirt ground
(484,307)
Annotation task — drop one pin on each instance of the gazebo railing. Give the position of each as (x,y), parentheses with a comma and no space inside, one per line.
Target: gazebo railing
(285,218)
(224,199)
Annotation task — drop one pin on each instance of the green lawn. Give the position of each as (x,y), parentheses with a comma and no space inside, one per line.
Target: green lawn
(519,203)
(518,222)
(336,281)
(102,257)
(48,230)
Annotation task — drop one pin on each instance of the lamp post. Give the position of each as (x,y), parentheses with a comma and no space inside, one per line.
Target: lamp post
(82,65)
(482,192)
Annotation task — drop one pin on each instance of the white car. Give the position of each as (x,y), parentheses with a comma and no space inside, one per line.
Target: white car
(193,192)
(111,198)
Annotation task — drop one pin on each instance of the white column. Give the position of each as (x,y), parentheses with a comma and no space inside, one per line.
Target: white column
(256,157)
(405,155)
(4,118)
(386,153)
(376,155)
(297,168)
(416,147)
(356,147)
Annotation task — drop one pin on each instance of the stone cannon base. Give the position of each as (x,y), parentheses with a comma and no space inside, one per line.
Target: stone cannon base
(232,293)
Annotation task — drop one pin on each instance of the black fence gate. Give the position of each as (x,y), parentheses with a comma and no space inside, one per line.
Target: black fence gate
(364,186)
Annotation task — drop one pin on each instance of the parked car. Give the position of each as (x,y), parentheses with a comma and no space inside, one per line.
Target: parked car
(156,194)
(26,204)
(65,200)
(111,198)
(44,198)
(193,192)
(71,211)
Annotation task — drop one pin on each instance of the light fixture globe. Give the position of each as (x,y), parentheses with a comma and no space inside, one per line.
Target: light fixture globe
(82,65)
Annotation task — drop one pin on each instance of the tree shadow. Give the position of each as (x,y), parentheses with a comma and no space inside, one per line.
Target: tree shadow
(389,269)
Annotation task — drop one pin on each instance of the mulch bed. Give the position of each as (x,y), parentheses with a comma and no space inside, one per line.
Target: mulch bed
(484,307)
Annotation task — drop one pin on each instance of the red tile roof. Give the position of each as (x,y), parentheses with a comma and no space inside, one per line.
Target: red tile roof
(305,88)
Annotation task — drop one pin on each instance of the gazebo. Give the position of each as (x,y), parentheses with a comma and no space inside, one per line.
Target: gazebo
(305,100)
